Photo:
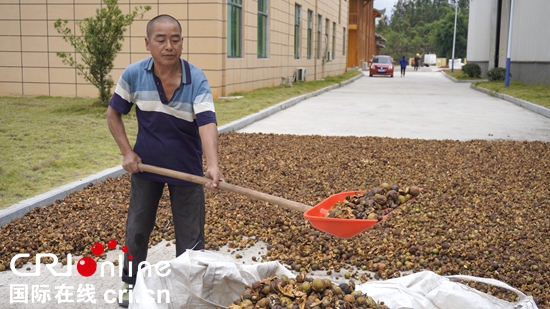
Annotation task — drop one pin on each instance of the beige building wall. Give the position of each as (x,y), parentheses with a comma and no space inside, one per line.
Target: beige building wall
(29,64)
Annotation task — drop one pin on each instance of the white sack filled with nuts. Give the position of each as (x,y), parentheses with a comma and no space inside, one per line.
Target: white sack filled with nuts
(199,280)
(428,290)
(208,280)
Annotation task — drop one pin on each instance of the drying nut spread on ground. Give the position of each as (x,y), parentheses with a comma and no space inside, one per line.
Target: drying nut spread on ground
(373,204)
(303,292)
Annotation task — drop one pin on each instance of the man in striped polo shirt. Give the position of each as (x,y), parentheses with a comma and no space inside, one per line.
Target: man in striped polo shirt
(176,125)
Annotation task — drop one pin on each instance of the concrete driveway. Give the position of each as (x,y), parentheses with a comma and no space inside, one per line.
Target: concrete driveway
(424,105)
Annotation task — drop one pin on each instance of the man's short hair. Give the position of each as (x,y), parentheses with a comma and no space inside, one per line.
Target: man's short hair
(161,18)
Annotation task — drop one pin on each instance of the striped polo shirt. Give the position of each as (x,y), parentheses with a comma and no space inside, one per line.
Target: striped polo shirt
(168,131)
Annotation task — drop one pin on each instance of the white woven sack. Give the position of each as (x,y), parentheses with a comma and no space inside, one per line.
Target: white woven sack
(427,290)
(200,280)
(207,280)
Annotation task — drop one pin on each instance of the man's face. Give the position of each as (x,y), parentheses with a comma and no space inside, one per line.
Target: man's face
(165,43)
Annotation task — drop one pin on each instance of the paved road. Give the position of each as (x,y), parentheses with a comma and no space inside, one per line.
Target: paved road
(423,105)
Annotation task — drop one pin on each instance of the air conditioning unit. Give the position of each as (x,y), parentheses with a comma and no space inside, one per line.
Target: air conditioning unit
(301,74)
(330,56)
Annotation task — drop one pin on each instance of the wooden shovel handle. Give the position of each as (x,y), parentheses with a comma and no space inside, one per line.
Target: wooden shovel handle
(226,186)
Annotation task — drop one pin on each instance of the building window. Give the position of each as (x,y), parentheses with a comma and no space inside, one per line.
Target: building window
(297,18)
(309,33)
(262,28)
(344,42)
(339,11)
(333,39)
(325,45)
(234,28)
(319,25)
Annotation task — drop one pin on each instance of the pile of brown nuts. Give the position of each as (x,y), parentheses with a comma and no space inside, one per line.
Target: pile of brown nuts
(303,292)
(373,204)
(484,209)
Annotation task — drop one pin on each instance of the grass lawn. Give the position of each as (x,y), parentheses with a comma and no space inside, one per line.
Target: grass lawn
(535,94)
(50,141)
(47,142)
(458,74)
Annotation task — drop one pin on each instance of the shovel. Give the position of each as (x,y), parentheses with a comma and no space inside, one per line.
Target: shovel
(342,228)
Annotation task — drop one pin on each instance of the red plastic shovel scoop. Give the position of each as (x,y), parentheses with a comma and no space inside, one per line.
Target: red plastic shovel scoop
(343,228)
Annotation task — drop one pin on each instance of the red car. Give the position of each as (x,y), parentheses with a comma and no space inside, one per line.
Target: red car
(381,65)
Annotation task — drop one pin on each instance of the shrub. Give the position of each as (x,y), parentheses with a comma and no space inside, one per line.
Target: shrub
(98,42)
(497,74)
(472,70)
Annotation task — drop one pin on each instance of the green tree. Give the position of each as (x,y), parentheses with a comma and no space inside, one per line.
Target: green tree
(382,24)
(99,42)
(423,27)
(396,46)
(443,36)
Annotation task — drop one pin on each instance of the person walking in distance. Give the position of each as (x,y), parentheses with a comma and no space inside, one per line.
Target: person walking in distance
(177,125)
(416,62)
(403,62)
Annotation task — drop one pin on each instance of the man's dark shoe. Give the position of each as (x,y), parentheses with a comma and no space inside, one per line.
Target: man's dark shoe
(125,301)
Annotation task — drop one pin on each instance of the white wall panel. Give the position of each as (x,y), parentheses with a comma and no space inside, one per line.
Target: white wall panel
(479,30)
(531,30)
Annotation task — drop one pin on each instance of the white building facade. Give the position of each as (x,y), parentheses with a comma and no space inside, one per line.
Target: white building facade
(488,28)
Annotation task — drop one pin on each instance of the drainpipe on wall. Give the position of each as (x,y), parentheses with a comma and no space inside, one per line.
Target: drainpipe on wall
(315,56)
(188,31)
(497,41)
(509,47)
(224,50)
